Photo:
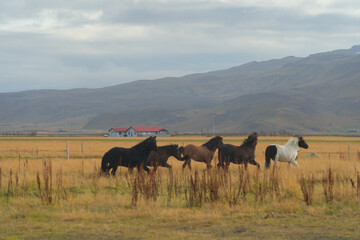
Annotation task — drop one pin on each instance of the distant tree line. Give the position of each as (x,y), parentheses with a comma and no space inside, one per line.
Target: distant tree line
(31,133)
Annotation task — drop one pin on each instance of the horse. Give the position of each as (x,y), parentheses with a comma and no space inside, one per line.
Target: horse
(129,157)
(285,153)
(160,157)
(204,153)
(245,153)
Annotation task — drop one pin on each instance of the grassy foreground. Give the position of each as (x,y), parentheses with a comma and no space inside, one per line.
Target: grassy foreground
(45,196)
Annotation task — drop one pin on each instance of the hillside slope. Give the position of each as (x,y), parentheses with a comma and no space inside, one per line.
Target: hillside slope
(311,95)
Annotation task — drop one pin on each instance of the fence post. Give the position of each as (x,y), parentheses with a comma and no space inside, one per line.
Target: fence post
(82,148)
(348,152)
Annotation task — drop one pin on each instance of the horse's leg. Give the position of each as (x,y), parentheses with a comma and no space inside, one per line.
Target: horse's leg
(227,164)
(276,160)
(167,166)
(114,170)
(294,162)
(146,168)
(189,163)
(221,164)
(186,158)
(138,168)
(253,162)
(245,163)
(220,160)
(155,167)
(107,171)
(208,165)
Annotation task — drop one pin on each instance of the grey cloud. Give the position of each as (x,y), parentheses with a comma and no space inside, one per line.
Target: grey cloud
(177,37)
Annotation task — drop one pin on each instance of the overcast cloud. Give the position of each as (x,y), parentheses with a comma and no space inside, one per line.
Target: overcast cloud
(91,43)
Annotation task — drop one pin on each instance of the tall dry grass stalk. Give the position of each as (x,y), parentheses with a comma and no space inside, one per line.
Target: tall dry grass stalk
(95,179)
(24,184)
(172,187)
(10,184)
(16,190)
(234,194)
(307,188)
(61,193)
(193,191)
(356,184)
(135,192)
(38,181)
(328,183)
(45,193)
(143,185)
(47,176)
(267,185)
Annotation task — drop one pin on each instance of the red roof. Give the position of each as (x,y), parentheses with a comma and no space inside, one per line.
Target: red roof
(147,128)
(120,129)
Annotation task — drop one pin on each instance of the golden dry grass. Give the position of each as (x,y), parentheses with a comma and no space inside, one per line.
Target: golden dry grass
(165,206)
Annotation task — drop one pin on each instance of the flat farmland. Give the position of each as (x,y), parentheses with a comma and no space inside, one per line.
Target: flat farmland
(50,188)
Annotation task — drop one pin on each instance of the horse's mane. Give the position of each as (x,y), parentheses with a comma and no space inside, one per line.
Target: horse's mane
(293,140)
(166,148)
(212,143)
(142,144)
(251,140)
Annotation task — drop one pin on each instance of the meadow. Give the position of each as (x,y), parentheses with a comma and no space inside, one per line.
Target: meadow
(47,193)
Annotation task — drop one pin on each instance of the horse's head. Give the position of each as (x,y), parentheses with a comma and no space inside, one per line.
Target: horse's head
(151,144)
(251,139)
(302,143)
(214,143)
(175,152)
(218,141)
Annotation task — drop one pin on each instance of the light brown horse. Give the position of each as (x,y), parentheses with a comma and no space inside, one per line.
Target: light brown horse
(204,153)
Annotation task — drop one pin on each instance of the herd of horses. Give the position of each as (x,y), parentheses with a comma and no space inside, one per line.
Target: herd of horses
(147,153)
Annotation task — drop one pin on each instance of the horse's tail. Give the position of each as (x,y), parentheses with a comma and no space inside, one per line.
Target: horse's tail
(270,153)
(105,162)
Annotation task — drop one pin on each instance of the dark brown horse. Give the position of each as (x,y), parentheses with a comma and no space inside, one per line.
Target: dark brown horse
(245,153)
(161,157)
(204,153)
(135,156)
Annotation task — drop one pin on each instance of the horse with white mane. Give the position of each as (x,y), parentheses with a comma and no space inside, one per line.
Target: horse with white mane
(285,153)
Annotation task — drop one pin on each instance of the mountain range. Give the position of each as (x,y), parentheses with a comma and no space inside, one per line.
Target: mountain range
(318,94)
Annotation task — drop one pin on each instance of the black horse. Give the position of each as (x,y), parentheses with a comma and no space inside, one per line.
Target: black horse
(245,153)
(160,157)
(129,157)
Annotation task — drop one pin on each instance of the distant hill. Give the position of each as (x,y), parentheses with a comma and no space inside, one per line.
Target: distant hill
(315,94)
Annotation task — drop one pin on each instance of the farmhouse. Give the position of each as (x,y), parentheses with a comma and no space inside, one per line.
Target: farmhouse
(117,132)
(138,131)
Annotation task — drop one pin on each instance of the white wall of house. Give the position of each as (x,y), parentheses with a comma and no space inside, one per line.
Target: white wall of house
(114,133)
(147,133)
(131,132)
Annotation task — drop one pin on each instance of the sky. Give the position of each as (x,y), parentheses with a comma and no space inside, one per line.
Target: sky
(51,44)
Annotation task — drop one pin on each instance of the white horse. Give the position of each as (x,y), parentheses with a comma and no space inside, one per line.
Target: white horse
(285,153)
